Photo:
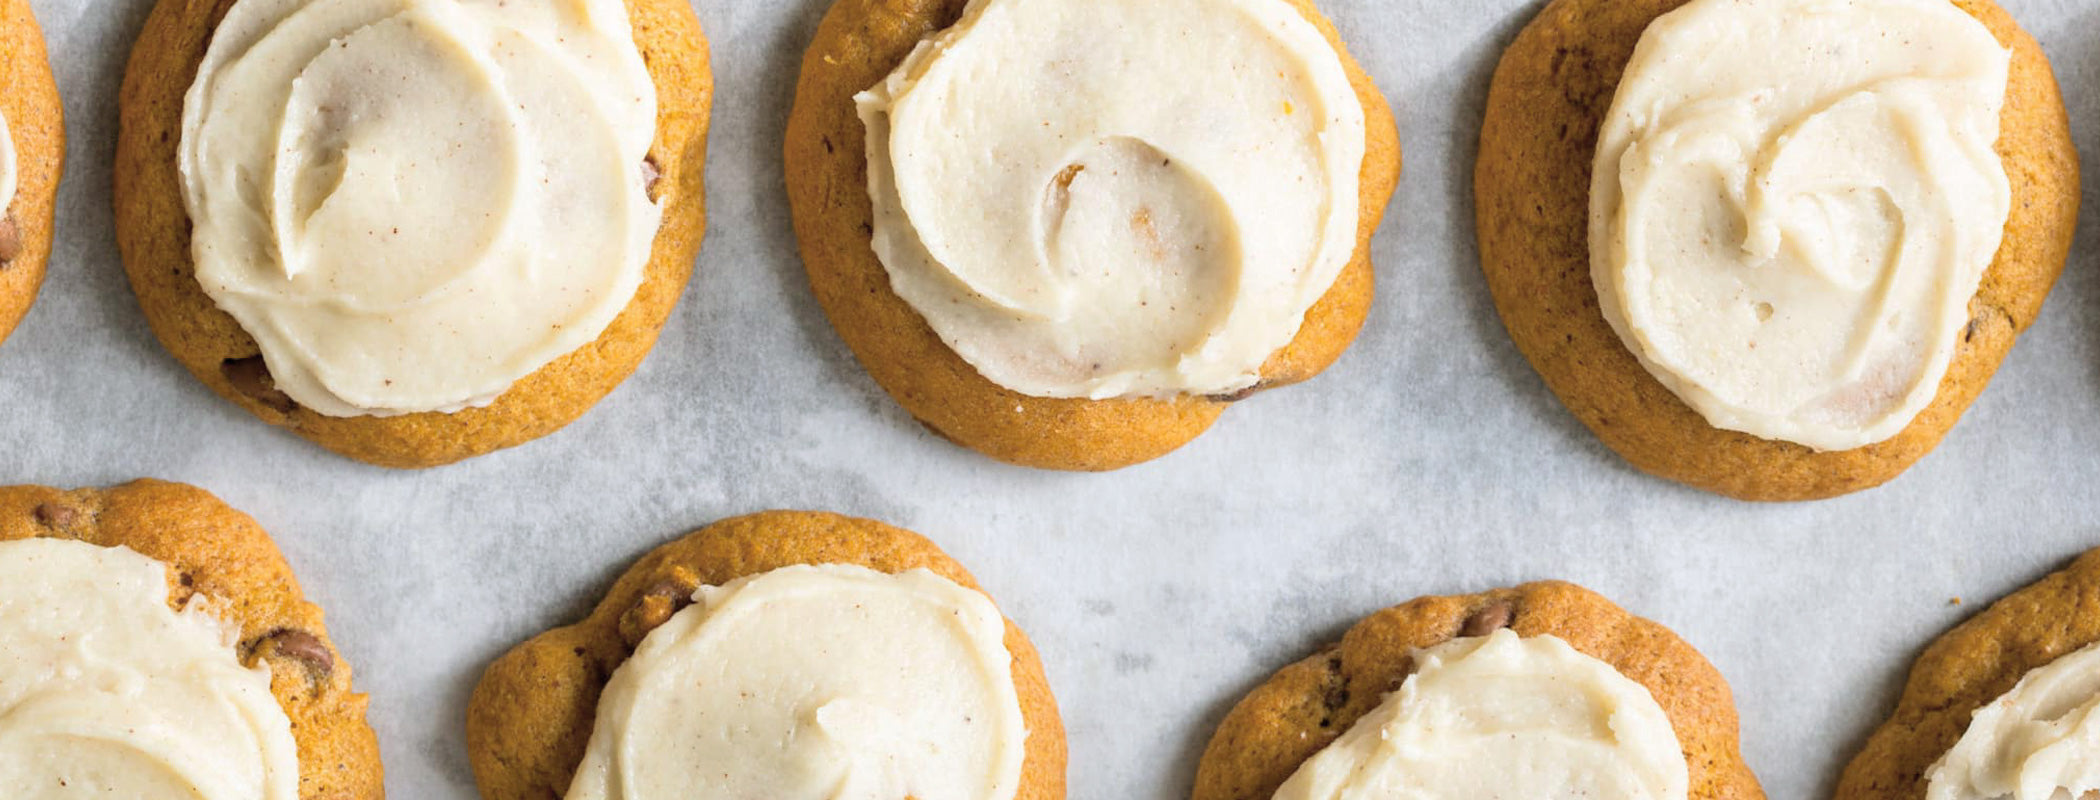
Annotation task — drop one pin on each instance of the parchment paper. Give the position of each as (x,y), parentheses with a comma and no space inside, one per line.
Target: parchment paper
(1430,460)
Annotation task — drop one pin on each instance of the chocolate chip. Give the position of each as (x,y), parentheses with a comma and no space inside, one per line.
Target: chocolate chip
(651,173)
(1494,617)
(251,377)
(10,241)
(1234,397)
(662,599)
(302,648)
(53,515)
(1335,693)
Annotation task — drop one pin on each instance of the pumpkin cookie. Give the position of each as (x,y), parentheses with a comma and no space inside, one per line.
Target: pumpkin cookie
(1062,291)
(1421,673)
(801,621)
(1760,341)
(159,603)
(32,157)
(410,278)
(1987,697)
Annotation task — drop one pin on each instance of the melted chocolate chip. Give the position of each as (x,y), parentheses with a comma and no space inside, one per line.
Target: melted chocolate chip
(1494,617)
(251,377)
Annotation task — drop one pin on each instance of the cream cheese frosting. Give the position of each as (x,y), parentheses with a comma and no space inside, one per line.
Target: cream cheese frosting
(832,682)
(1503,716)
(107,692)
(1792,205)
(7,166)
(412,204)
(1103,198)
(2040,741)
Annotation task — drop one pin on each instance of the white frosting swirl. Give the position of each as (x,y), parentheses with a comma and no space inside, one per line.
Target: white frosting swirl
(7,166)
(1793,203)
(2040,741)
(831,682)
(106,692)
(1081,206)
(1503,716)
(412,204)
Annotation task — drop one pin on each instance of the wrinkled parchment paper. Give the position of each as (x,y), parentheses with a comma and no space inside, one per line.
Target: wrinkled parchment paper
(1430,460)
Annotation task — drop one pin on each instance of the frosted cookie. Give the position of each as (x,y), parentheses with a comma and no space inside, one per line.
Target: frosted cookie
(787,655)
(2003,706)
(412,232)
(32,157)
(155,644)
(1065,241)
(1544,690)
(1774,248)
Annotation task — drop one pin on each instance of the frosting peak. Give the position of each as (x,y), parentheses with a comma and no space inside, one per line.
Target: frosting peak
(2040,741)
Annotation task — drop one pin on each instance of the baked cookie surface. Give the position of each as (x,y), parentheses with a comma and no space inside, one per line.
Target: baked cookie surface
(36,123)
(1968,667)
(1307,705)
(1532,193)
(533,712)
(860,42)
(153,231)
(213,550)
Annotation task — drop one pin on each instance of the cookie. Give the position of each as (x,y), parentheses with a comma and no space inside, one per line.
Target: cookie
(860,42)
(153,231)
(1306,706)
(217,552)
(36,124)
(535,708)
(1532,193)
(1970,666)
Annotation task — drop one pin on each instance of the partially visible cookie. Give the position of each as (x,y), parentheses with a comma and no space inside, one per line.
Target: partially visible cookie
(1532,183)
(857,44)
(1308,705)
(1968,667)
(36,123)
(216,552)
(534,711)
(153,230)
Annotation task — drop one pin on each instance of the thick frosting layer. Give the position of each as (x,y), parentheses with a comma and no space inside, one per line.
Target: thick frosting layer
(834,682)
(7,166)
(1793,203)
(1081,206)
(2041,741)
(1503,716)
(106,692)
(412,204)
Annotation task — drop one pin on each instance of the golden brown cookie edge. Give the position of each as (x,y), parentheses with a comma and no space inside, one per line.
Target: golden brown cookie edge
(1307,705)
(36,122)
(532,713)
(860,41)
(153,234)
(1549,93)
(214,550)
(1969,666)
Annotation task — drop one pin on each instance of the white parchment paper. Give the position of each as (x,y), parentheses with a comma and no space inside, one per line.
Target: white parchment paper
(1430,460)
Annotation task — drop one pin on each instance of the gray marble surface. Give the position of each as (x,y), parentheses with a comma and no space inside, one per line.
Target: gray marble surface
(1430,460)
